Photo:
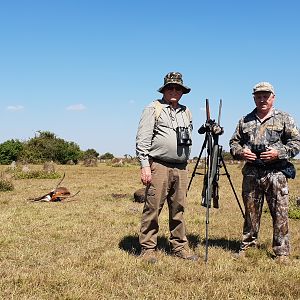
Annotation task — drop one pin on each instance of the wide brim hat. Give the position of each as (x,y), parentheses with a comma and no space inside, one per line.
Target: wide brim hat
(174,78)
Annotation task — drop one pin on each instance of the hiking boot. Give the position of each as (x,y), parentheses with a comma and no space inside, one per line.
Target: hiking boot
(185,254)
(148,255)
(282,259)
(240,255)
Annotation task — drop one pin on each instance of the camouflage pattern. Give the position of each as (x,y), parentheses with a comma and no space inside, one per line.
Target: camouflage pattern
(278,131)
(258,183)
(263,87)
(174,78)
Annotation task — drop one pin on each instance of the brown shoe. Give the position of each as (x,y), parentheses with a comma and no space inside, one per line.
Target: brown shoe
(282,260)
(148,255)
(185,254)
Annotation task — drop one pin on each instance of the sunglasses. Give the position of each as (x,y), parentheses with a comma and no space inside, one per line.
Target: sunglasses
(178,88)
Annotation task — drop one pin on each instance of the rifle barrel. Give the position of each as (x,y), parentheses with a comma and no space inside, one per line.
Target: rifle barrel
(207,110)
(220,109)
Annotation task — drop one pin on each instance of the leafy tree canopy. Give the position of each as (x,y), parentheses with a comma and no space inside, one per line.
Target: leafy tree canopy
(107,155)
(10,151)
(46,147)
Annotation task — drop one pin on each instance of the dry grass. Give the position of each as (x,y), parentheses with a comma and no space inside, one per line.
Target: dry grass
(87,248)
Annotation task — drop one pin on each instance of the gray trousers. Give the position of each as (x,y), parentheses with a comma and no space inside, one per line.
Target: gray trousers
(169,183)
(273,185)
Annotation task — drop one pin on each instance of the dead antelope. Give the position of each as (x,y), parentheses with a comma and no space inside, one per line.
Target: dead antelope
(55,195)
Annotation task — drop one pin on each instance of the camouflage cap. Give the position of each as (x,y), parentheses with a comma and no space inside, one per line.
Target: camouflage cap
(263,87)
(174,78)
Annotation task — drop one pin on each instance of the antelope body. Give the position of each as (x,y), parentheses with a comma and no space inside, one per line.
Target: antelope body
(55,195)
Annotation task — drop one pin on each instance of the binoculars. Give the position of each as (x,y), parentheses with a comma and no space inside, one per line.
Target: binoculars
(183,136)
(258,149)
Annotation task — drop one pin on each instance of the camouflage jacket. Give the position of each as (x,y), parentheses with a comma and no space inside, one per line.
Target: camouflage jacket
(278,131)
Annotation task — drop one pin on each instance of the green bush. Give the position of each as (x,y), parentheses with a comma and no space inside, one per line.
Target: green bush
(107,155)
(6,185)
(90,153)
(47,147)
(10,151)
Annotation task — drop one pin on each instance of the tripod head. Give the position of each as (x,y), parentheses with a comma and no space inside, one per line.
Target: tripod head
(211,126)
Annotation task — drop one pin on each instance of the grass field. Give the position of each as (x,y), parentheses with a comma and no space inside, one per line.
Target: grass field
(87,248)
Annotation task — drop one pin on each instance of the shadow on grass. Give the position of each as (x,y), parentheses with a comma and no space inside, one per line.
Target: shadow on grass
(131,243)
(231,245)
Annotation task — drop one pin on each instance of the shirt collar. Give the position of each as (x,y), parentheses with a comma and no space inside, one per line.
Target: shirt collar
(180,107)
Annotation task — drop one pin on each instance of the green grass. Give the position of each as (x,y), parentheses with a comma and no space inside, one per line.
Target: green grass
(294,209)
(37,174)
(87,247)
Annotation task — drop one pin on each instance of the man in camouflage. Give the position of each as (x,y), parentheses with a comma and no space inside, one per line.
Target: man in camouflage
(266,138)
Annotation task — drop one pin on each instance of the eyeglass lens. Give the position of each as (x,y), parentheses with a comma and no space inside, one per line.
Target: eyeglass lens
(172,87)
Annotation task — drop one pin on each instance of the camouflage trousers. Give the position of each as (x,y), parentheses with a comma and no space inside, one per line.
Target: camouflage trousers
(169,184)
(272,185)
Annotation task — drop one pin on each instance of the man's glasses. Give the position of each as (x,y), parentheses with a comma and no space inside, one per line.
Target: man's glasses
(178,88)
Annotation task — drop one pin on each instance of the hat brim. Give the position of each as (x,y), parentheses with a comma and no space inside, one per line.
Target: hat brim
(263,90)
(185,89)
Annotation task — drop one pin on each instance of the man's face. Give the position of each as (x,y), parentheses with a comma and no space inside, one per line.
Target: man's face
(264,101)
(172,93)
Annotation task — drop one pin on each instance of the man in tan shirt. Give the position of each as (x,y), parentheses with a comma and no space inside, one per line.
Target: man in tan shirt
(163,145)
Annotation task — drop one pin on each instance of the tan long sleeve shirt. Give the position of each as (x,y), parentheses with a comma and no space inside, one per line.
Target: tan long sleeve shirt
(157,138)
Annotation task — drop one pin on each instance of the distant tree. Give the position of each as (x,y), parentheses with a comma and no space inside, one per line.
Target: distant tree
(10,151)
(226,155)
(90,153)
(46,147)
(107,155)
(67,151)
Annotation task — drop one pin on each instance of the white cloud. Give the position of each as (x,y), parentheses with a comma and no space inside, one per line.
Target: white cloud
(15,107)
(77,107)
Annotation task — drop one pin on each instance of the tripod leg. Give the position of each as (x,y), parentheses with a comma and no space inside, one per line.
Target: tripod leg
(232,187)
(208,191)
(197,163)
(206,232)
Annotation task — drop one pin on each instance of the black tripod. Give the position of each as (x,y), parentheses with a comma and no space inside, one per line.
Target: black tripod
(213,162)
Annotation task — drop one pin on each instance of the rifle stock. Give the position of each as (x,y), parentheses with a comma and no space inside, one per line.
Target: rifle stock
(210,182)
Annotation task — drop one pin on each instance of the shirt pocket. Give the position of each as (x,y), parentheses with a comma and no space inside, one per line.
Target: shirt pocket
(274,133)
(248,133)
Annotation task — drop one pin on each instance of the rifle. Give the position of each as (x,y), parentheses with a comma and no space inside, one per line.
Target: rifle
(210,190)
(212,132)
(213,162)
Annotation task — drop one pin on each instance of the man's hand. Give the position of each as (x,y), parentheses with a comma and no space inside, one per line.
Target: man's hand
(248,155)
(146,176)
(269,155)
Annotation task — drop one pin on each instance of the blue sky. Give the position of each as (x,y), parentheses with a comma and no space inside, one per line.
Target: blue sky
(86,69)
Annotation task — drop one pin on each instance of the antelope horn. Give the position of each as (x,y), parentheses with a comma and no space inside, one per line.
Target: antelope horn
(60,181)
